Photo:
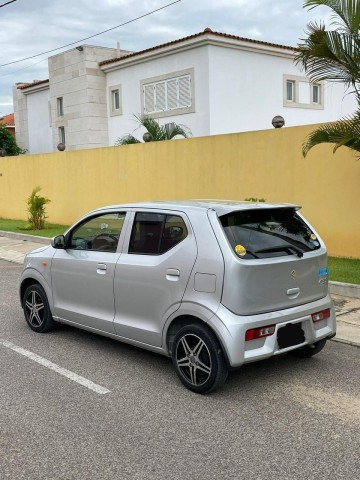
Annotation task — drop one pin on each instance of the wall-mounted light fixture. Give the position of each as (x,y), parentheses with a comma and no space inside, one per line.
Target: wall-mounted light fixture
(278,121)
(147,137)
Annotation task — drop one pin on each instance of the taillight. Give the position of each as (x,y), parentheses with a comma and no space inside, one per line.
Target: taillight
(323,315)
(260,332)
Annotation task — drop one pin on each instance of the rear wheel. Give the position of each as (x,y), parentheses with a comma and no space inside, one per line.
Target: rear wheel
(36,309)
(198,359)
(309,350)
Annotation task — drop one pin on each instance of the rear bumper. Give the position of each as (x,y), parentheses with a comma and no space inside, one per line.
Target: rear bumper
(233,329)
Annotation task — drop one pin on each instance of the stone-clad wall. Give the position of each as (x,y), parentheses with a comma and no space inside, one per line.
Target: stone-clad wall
(76,77)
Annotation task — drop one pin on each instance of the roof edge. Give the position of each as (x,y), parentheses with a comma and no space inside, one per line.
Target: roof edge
(206,33)
(35,83)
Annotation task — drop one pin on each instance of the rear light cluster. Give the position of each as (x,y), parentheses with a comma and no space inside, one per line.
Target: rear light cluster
(255,333)
(323,315)
(260,332)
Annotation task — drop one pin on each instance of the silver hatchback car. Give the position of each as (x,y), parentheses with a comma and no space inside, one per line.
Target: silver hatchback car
(213,284)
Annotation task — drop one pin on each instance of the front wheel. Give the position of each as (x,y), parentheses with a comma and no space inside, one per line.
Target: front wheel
(309,350)
(36,309)
(198,359)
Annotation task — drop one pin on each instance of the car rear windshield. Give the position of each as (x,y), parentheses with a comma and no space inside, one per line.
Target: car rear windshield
(268,233)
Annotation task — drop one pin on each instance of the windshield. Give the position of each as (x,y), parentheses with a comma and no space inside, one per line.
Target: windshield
(268,233)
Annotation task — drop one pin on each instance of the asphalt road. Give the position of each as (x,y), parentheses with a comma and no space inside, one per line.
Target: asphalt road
(283,418)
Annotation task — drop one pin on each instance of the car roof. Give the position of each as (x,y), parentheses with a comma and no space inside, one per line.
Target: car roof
(221,207)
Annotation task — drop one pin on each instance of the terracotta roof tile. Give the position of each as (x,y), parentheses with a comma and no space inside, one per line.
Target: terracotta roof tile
(8,120)
(23,86)
(207,31)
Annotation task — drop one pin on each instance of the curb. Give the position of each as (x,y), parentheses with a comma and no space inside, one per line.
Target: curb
(345,289)
(25,237)
(347,342)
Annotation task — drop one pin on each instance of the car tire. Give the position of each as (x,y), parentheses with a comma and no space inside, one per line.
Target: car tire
(309,350)
(198,359)
(36,309)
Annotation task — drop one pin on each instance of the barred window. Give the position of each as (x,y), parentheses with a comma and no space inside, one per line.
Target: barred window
(168,93)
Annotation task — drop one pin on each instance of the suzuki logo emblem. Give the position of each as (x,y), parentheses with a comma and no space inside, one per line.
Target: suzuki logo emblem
(293,274)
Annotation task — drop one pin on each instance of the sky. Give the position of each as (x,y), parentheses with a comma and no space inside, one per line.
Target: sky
(32,27)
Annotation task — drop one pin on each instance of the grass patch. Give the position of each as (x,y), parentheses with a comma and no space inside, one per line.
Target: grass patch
(344,270)
(20,226)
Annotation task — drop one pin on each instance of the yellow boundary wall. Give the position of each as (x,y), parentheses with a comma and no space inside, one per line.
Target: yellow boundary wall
(259,164)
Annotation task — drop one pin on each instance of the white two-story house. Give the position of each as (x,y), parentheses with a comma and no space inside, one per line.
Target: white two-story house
(212,82)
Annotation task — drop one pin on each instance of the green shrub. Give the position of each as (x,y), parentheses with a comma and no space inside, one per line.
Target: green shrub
(36,209)
(255,200)
(8,143)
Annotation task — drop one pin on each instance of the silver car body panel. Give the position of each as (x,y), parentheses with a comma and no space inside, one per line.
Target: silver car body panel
(149,288)
(135,298)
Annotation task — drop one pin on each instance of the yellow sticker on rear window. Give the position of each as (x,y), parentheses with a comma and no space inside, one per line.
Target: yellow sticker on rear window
(240,250)
(313,236)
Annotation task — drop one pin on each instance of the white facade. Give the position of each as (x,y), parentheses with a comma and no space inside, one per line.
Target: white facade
(210,82)
(39,121)
(131,76)
(237,86)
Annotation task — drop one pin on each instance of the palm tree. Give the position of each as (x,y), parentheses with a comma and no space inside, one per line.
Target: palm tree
(158,132)
(334,55)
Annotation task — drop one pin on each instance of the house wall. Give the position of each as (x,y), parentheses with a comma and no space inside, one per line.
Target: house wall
(21,118)
(247,91)
(259,164)
(40,132)
(76,77)
(237,86)
(130,78)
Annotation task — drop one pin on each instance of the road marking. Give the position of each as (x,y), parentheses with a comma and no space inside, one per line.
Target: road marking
(52,366)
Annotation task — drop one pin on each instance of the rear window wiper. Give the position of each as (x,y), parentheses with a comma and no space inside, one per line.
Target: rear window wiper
(283,248)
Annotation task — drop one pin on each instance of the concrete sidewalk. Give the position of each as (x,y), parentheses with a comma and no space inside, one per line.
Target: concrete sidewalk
(14,247)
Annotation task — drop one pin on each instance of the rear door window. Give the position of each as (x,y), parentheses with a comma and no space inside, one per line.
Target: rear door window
(156,233)
(268,233)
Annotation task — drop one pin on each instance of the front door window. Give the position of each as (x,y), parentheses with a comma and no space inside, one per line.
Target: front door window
(99,233)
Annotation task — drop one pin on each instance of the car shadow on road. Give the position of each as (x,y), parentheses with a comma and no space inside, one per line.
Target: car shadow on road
(248,380)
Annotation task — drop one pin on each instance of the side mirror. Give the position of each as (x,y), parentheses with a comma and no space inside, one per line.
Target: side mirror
(58,242)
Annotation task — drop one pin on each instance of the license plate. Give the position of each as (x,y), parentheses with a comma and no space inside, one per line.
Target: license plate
(290,335)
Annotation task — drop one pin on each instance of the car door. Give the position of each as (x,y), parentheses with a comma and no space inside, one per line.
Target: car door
(152,274)
(83,272)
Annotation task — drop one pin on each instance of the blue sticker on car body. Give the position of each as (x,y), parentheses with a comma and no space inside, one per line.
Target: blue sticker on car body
(323,272)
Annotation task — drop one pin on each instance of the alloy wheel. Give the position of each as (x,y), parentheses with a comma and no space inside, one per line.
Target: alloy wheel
(35,311)
(193,359)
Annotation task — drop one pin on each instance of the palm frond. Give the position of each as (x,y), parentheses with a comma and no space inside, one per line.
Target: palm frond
(346,17)
(152,126)
(328,55)
(345,132)
(126,140)
(176,130)
(160,132)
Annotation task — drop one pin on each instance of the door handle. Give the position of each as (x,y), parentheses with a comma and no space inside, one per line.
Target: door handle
(172,274)
(101,268)
(173,271)
(293,293)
